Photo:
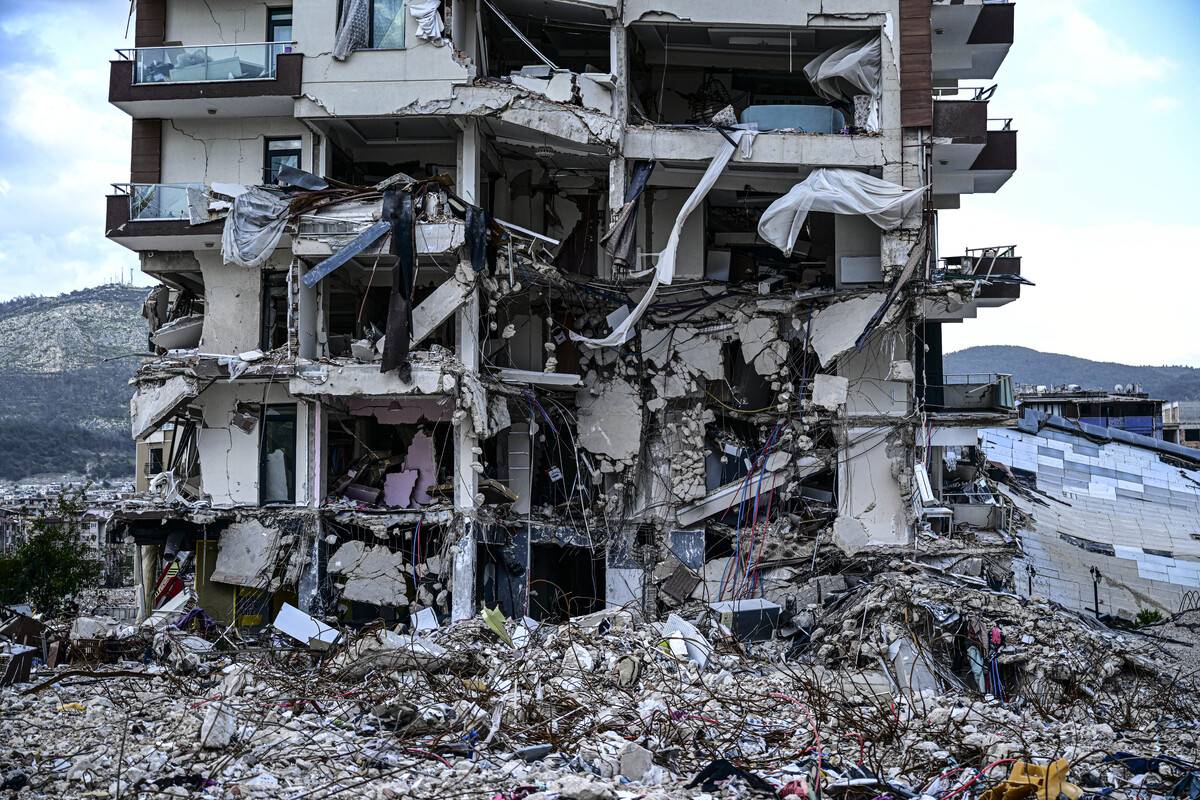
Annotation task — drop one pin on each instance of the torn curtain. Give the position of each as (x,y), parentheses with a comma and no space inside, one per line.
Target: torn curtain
(664,270)
(398,210)
(620,241)
(840,191)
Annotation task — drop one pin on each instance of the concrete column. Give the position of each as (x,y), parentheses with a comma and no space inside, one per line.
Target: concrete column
(148,577)
(466,480)
(618,66)
(306,317)
(618,180)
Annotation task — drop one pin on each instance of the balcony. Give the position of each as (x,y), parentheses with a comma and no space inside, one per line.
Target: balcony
(258,79)
(154,216)
(972,153)
(978,392)
(995,270)
(971,38)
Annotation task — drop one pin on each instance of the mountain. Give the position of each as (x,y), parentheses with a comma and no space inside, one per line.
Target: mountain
(65,364)
(1035,367)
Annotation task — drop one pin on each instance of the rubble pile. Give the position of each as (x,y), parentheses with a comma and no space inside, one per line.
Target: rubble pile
(882,695)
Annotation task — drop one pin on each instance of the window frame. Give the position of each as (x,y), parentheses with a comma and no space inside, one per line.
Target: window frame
(272,23)
(293,410)
(266,161)
(371,24)
(273,280)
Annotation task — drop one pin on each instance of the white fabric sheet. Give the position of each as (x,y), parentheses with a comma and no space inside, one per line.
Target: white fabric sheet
(429,22)
(253,227)
(840,191)
(664,270)
(843,72)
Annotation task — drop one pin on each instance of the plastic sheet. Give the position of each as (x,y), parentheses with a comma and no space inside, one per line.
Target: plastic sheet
(253,227)
(843,72)
(840,191)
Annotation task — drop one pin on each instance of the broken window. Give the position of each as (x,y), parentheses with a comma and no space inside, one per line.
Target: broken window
(533,39)
(275,310)
(277,459)
(155,463)
(684,73)
(277,152)
(1191,435)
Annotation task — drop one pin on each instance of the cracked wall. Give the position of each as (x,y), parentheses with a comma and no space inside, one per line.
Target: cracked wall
(217,149)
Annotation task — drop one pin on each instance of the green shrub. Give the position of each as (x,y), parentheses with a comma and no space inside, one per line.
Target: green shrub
(52,565)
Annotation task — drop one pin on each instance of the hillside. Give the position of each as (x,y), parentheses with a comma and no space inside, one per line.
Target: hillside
(1035,367)
(64,409)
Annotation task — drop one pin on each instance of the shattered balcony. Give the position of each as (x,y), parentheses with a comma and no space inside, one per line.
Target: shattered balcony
(984,277)
(970,39)
(254,79)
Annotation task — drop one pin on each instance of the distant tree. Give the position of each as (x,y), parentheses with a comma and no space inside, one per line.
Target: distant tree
(53,564)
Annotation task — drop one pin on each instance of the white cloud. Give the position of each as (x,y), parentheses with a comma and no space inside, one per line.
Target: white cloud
(65,144)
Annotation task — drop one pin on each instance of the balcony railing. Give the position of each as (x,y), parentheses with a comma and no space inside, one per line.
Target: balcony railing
(206,63)
(157,201)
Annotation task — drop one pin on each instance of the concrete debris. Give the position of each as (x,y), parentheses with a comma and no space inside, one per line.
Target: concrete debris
(604,706)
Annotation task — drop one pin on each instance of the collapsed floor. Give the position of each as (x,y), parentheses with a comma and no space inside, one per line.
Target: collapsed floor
(906,675)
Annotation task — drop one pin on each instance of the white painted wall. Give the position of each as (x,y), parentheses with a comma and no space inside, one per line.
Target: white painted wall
(232,306)
(229,456)
(870,393)
(369,82)
(223,149)
(665,208)
(871,510)
(217,21)
(855,236)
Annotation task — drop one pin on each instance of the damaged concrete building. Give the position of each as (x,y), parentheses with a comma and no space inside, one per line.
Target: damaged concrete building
(550,305)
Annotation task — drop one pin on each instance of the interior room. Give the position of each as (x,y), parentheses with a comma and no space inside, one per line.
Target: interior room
(684,74)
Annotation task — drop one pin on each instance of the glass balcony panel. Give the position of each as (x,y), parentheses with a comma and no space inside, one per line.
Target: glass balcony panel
(207,63)
(150,201)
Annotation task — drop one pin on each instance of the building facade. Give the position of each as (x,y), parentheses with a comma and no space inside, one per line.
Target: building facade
(1128,409)
(548,306)
(1181,422)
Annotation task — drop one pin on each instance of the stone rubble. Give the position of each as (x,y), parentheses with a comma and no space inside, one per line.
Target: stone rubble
(606,707)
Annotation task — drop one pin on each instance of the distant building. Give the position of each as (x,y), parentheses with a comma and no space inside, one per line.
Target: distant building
(1126,408)
(1181,422)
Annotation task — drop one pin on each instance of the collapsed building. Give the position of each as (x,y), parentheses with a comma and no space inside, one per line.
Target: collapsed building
(549,306)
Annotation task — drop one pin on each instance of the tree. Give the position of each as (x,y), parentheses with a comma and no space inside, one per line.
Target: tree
(53,564)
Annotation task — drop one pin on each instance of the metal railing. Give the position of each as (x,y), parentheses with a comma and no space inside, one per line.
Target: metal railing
(970,379)
(205,63)
(999,123)
(157,201)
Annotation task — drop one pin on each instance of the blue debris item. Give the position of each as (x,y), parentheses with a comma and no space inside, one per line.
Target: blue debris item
(349,251)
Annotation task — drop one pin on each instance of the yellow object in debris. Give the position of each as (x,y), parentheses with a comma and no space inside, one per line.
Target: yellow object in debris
(1035,782)
(72,707)
(495,620)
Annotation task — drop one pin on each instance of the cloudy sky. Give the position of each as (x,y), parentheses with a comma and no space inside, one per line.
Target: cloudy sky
(1103,92)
